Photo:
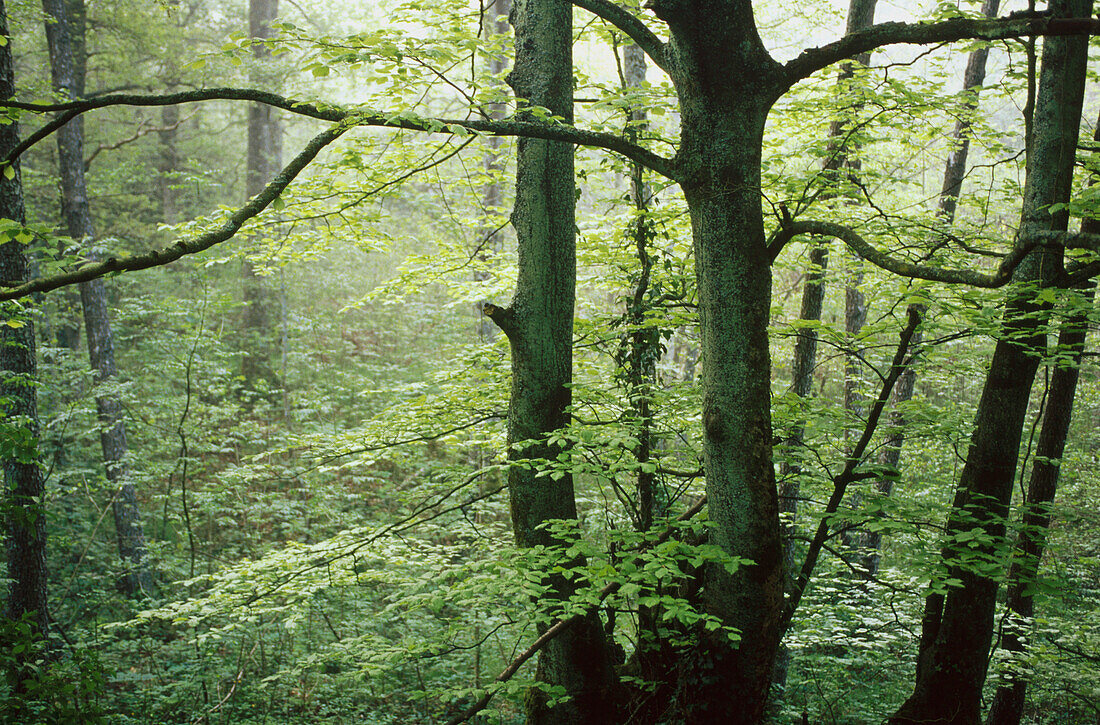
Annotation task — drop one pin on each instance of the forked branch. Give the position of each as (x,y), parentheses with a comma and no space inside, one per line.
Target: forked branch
(631,26)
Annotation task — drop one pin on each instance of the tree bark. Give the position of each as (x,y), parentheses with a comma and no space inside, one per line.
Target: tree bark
(949,683)
(726,83)
(65,37)
(1008,701)
(24,487)
(953,174)
(263,162)
(539,326)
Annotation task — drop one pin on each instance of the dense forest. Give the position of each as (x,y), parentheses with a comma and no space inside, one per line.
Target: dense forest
(694,361)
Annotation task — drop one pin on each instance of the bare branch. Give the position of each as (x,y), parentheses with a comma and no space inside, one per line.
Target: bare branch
(359,116)
(848,475)
(158,257)
(814,59)
(634,28)
(858,244)
(140,132)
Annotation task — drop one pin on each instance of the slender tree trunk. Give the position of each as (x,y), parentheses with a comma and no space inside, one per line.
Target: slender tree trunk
(24,488)
(490,238)
(539,326)
(65,38)
(264,160)
(861,14)
(1008,702)
(949,684)
(640,349)
(953,175)
(168,164)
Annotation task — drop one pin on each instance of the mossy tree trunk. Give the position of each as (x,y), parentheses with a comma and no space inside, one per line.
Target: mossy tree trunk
(539,327)
(24,488)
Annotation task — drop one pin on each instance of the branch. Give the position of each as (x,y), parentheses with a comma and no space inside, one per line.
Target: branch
(141,131)
(634,28)
(858,244)
(563,624)
(71,109)
(361,117)
(502,317)
(156,258)
(1070,240)
(848,475)
(814,59)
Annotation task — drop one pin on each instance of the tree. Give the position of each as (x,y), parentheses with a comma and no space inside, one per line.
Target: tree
(726,83)
(265,158)
(539,326)
(953,175)
(65,35)
(958,627)
(24,486)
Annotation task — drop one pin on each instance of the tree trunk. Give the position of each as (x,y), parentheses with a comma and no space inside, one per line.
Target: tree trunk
(1008,702)
(953,174)
(65,37)
(726,83)
(24,487)
(264,161)
(861,15)
(539,326)
(949,683)
(490,238)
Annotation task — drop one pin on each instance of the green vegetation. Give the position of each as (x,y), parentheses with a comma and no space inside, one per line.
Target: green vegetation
(350,510)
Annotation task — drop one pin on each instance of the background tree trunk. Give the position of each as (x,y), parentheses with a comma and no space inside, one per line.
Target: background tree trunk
(953,174)
(949,682)
(65,37)
(264,160)
(490,238)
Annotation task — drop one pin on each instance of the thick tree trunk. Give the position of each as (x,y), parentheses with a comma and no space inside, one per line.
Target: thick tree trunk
(263,162)
(539,326)
(726,84)
(67,69)
(24,487)
(949,682)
